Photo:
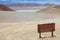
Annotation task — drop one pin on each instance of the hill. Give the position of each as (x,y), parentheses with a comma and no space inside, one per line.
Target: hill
(5,8)
(55,9)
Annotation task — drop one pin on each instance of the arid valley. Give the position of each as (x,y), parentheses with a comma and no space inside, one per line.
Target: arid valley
(23,25)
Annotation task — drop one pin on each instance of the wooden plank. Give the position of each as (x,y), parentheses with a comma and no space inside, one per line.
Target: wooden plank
(48,27)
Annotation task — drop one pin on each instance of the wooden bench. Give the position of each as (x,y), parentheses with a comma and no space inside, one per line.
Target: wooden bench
(48,27)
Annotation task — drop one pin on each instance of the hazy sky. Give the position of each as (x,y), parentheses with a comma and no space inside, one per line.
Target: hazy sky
(29,1)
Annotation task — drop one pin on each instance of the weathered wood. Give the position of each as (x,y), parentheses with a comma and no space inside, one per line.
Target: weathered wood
(40,35)
(49,27)
(52,33)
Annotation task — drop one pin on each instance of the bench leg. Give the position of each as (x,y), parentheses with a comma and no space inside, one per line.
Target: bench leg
(40,35)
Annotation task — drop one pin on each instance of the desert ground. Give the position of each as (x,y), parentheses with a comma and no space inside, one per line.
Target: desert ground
(23,26)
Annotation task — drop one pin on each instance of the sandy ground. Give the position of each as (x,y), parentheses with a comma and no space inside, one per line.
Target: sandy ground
(25,16)
(27,30)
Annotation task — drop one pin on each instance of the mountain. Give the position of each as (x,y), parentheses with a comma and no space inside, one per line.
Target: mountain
(5,8)
(49,5)
(23,6)
(54,9)
(58,7)
(31,4)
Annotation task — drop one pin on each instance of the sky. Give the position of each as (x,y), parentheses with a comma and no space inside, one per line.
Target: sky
(29,1)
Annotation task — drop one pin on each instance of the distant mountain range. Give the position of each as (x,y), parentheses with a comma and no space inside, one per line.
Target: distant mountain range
(26,6)
(31,4)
